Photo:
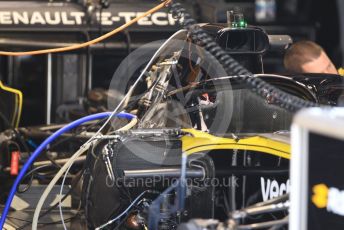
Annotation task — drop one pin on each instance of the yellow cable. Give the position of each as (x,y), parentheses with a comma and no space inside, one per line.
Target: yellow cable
(89,43)
(19,97)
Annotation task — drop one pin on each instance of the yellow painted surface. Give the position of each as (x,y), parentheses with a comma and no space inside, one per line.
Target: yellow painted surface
(198,141)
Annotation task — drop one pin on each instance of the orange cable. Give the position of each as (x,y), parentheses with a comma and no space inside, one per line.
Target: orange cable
(89,43)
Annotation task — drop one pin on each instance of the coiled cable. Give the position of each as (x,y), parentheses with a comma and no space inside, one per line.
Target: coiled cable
(232,67)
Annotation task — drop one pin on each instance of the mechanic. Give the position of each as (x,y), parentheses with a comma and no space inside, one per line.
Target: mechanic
(308,57)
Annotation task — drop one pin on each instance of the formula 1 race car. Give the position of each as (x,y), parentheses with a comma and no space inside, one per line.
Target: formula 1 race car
(232,144)
(206,145)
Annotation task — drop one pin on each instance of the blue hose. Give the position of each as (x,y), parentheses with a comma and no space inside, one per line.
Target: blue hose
(42,146)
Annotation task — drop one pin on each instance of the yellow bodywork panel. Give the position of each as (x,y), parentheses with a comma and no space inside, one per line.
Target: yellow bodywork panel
(199,141)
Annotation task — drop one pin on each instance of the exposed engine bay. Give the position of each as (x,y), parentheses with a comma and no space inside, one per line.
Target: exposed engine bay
(195,137)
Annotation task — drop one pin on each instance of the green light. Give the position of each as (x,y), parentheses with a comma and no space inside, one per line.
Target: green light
(242,24)
(239,24)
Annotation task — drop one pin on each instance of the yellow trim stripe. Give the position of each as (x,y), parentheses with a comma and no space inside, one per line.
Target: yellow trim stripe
(199,141)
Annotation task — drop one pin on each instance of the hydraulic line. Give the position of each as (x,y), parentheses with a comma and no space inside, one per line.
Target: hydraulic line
(130,125)
(264,225)
(232,67)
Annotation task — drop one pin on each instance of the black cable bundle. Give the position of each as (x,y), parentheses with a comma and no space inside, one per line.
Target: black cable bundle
(232,67)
